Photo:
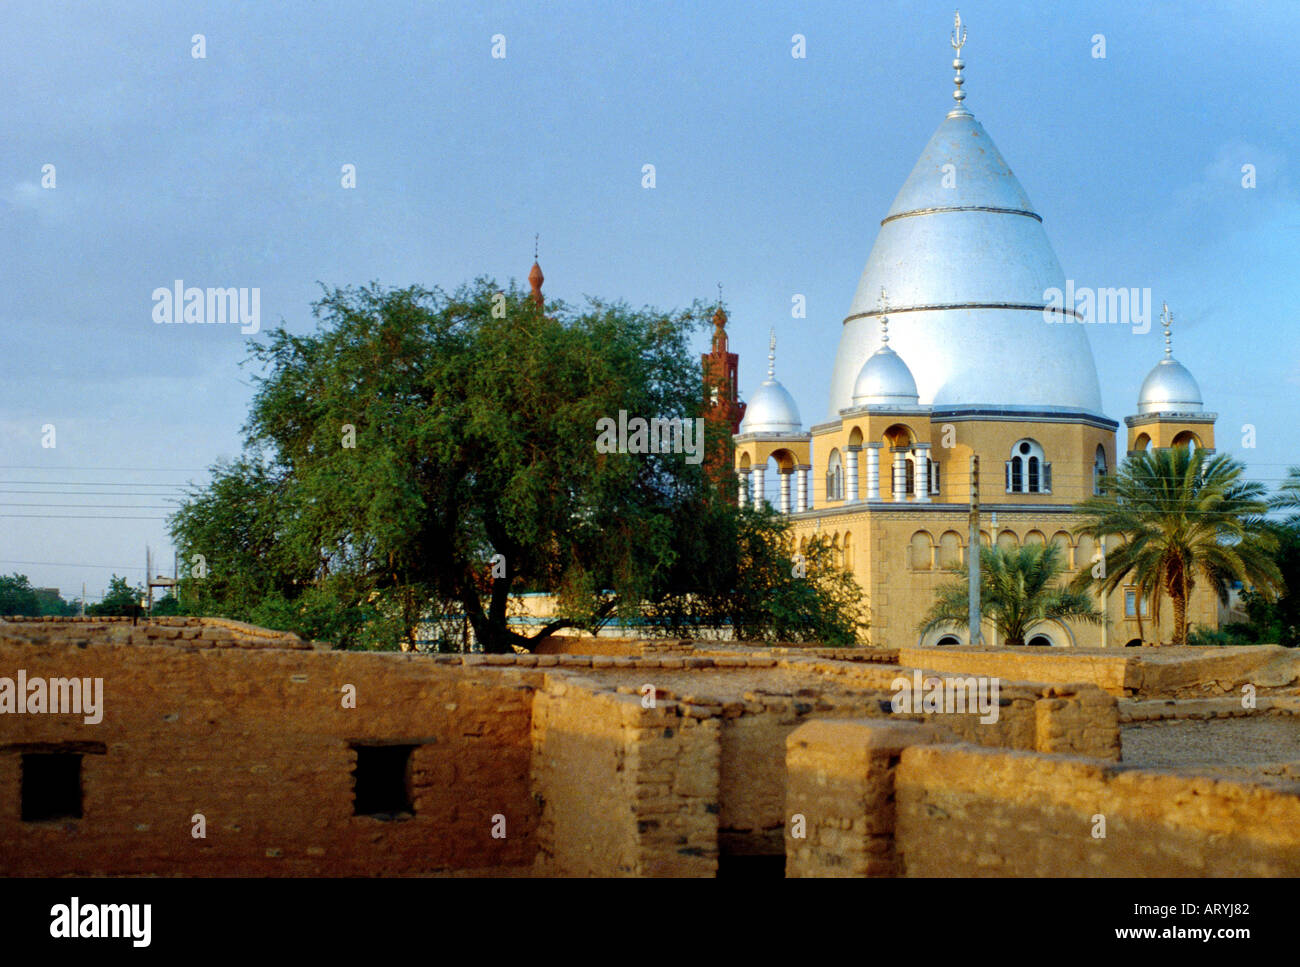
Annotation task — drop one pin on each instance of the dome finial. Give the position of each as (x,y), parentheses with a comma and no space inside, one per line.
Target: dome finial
(771,354)
(1167,318)
(884,319)
(958,41)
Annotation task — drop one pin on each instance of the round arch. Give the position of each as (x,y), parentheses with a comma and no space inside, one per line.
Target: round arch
(921,551)
(899,435)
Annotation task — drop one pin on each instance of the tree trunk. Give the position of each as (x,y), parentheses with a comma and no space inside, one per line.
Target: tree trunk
(1180,618)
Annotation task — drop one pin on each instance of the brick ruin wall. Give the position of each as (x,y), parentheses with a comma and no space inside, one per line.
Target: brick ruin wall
(247,727)
(1178,673)
(882,799)
(258,742)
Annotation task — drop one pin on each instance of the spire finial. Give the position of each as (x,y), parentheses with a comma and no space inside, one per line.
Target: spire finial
(958,41)
(771,354)
(884,319)
(536,238)
(535,277)
(1167,318)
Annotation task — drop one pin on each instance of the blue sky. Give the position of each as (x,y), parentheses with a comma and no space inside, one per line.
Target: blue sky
(772,176)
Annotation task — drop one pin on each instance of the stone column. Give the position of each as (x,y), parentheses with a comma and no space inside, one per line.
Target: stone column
(851,485)
(785,490)
(760,494)
(743,495)
(873,471)
(900,474)
(923,473)
(801,497)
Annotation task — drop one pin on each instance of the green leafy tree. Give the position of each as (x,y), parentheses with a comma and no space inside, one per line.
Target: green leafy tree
(1019,587)
(18,597)
(739,570)
(421,456)
(120,600)
(167,605)
(1177,515)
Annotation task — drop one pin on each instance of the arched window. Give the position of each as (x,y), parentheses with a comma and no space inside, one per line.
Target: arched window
(1098,469)
(1028,471)
(1062,541)
(911,474)
(1039,641)
(950,550)
(834,477)
(922,551)
(949,640)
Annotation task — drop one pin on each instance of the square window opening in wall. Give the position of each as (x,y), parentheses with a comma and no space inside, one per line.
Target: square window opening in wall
(382,782)
(51,786)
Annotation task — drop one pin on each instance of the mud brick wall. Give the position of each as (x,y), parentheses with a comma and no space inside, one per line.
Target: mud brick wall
(1117,673)
(209,632)
(624,790)
(981,812)
(841,791)
(1146,672)
(257,740)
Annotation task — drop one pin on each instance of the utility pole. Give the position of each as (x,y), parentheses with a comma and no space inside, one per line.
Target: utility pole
(83,599)
(973,555)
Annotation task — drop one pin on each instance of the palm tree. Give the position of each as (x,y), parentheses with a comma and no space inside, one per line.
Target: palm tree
(1180,514)
(1018,589)
(1288,496)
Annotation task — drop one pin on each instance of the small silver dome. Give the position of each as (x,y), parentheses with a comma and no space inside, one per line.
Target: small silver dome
(1169,388)
(885,380)
(771,410)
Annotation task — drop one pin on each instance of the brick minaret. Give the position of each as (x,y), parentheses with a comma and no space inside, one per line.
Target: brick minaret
(722,407)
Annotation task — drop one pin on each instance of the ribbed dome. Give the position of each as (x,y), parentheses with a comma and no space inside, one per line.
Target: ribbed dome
(966,268)
(1169,388)
(885,380)
(771,410)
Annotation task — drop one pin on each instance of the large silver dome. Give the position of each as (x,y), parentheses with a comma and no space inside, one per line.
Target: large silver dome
(1169,388)
(771,410)
(966,268)
(885,380)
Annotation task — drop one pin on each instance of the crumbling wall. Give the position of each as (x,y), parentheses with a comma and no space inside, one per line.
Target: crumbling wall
(872,798)
(259,743)
(624,789)
(840,796)
(981,812)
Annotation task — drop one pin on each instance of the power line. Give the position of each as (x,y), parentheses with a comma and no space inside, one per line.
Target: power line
(104,567)
(83,493)
(97,506)
(11,466)
(74,517)
(89,483)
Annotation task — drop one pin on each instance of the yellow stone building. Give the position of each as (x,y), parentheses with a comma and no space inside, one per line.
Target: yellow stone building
(954,348)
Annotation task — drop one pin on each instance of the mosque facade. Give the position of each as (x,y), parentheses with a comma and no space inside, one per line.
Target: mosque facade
(952,349)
